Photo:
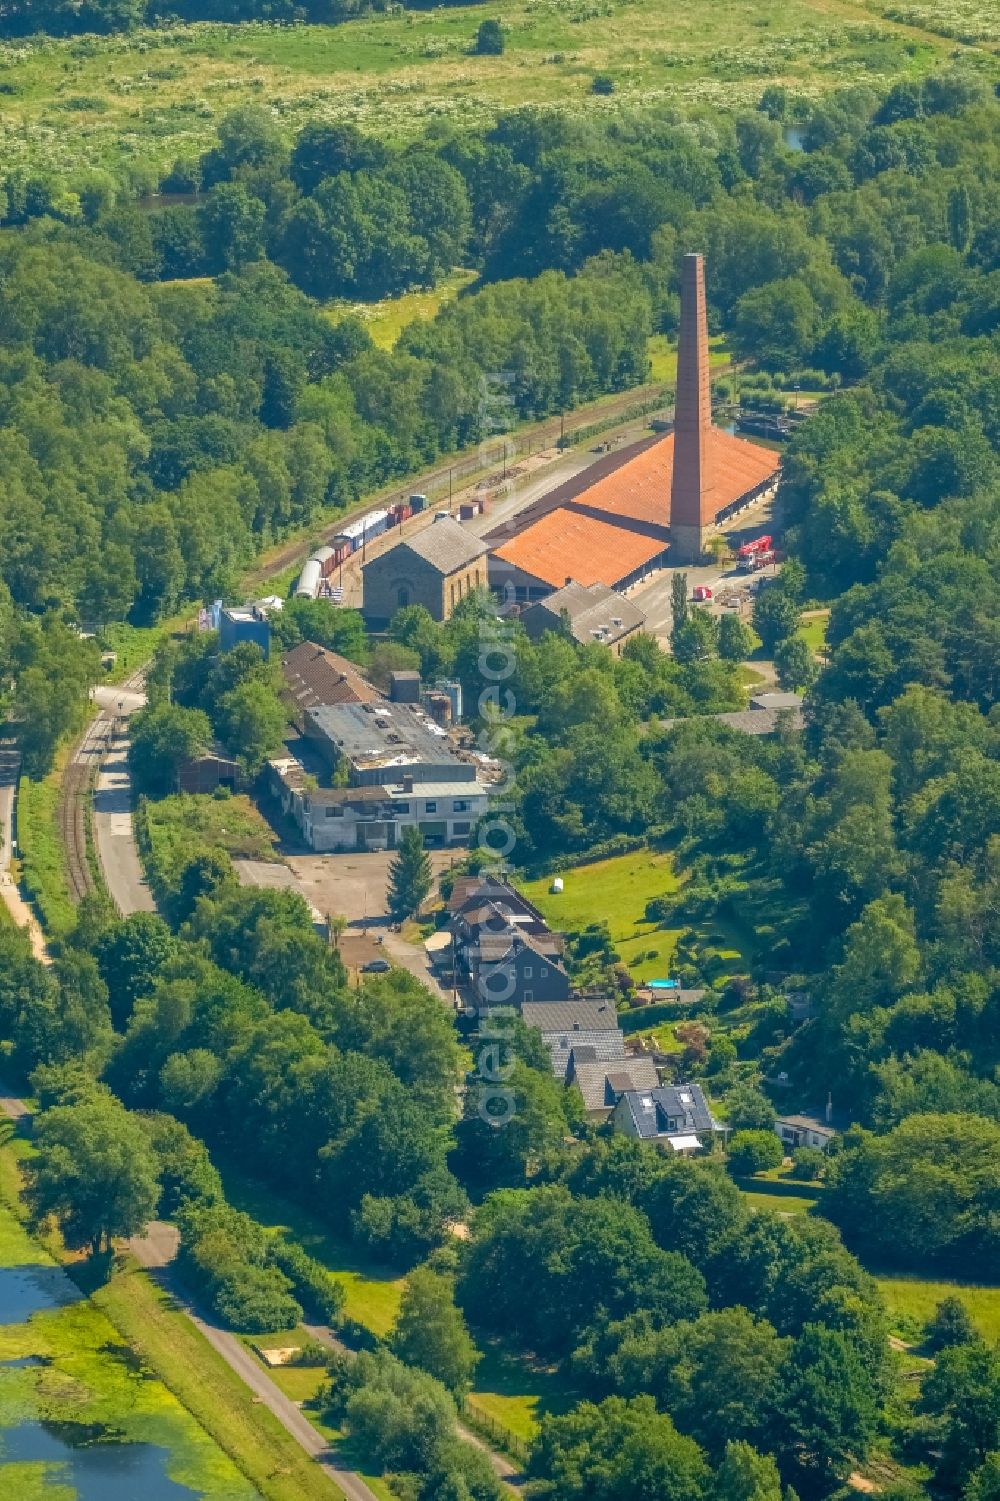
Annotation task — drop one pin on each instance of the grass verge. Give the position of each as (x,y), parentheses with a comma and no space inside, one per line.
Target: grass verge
(198,1409)
(43,867)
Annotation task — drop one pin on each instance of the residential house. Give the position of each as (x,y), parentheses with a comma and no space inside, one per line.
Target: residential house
(805,1131)
(588,1049)
(508,969)
(676,1117)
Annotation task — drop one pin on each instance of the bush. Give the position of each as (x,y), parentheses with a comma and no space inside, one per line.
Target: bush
(321,1296)
(602,83)
(949,1325)
(807,1164)
(489,38)
(255,1299)
(754,1152)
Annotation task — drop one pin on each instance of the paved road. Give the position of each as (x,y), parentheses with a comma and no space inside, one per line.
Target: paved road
(155,1251)
(114,835)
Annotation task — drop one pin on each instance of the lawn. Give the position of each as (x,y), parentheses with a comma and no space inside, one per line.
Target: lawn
(175,829)
(372,1291)
(516,1395)
(912,1300)
(386,320)
(663,356)
(150,96)
(813,630)
(615,891)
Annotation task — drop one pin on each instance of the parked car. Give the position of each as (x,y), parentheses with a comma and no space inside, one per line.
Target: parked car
(376,967)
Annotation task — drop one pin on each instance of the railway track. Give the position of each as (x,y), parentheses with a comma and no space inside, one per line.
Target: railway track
(77,790)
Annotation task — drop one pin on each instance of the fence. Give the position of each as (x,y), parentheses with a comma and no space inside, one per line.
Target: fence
(487,1427)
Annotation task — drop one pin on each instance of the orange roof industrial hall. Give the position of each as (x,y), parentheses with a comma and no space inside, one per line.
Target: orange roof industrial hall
(658,501)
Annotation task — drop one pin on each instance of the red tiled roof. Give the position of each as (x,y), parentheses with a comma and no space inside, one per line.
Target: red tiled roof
(640,489)
(567,544)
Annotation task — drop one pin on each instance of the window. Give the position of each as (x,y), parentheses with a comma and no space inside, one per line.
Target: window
(543,970)
(461,828)
(400,807)
(527,971)
(529,995)
(460,805)
(430,807)
(402,598)
(334,812)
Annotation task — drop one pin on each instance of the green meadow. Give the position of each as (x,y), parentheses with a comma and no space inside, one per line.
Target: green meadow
(141,100)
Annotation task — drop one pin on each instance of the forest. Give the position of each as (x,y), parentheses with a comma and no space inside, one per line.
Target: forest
(163,419)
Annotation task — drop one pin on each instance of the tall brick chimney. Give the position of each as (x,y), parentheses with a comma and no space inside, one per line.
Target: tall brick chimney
(692,513)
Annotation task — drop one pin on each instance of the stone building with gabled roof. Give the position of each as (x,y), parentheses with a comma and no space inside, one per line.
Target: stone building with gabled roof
(436,567)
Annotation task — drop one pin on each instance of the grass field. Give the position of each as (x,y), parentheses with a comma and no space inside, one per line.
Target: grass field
(615,891)
(911,1302)
(152,96)
(387,319)
(188,824)
(516,1395)
(813,630)
(663,356)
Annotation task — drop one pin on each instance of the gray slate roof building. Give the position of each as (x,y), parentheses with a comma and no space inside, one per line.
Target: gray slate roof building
(671,1111)
(764,717)
(570,1016)
(594,612)
(446,545)
(603,1083)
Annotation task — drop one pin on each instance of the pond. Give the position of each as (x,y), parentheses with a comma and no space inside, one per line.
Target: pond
(29,1289)
(98,1467)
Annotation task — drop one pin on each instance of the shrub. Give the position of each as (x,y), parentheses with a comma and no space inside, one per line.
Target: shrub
(754,1152)
(950,1324)
(490,38)
(602,83)
(321,1296)
(807,1164)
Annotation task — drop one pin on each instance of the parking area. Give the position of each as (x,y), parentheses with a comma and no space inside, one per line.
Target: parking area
(724,580)
(354,886)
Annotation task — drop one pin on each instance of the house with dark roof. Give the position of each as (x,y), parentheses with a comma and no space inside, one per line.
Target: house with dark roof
(602,1083)
(436,567)
(507,968)
(675,1116)
(588,1049)
(590,613)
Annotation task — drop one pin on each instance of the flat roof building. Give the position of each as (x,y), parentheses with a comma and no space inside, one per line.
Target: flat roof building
(380,743)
